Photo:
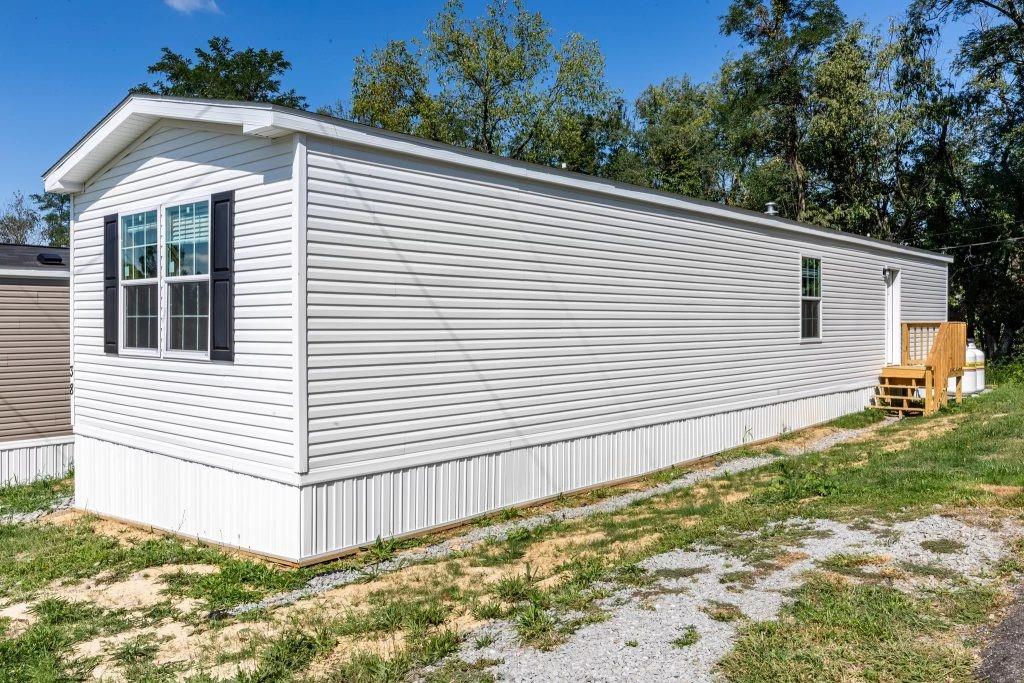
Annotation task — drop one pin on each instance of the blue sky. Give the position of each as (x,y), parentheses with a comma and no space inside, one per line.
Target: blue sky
(66,63)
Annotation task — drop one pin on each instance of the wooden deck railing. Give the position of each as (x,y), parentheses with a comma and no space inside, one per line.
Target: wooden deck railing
(918,338)
(941,348)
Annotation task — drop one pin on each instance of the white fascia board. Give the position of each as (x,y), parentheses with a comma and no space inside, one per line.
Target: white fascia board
(54,180)
(100,144)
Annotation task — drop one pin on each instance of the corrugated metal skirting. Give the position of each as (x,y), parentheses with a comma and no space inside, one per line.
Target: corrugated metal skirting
(26,461)
(355,511)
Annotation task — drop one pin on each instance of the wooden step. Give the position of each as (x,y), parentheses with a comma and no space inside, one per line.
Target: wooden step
(899,409)
(903,372)
(897,397)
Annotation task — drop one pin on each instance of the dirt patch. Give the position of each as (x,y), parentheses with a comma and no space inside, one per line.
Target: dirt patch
(347,648)
(787,559)
(124,534)
(181,644)
(1001,491)
(20,616)
(140,590)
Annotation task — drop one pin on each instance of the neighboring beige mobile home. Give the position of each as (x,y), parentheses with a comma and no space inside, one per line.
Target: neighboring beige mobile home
(294,334)
(35,411)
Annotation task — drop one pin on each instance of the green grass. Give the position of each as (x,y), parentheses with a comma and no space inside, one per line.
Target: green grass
(833,630)
(859,565)
(39,495)
(942,546)
(42,653)
(690,637)
(864,418)
(722,611)
(829,626)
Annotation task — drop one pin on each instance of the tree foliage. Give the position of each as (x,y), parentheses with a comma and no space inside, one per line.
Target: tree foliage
(18,221)
(496,84)
(55,211)
(837,123)
(221,72)
(865,132)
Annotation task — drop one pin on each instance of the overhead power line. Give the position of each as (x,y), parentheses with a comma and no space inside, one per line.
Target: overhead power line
(979,244)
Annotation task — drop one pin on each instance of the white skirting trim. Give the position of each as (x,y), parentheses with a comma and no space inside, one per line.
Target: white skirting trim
(27,460)
(355,511)
(187,498)
(300,523)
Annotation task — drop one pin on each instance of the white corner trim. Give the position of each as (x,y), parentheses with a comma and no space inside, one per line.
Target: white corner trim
(299,191)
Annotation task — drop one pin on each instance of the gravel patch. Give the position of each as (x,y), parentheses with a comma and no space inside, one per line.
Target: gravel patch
(636,642)
(330,580)
(23,517)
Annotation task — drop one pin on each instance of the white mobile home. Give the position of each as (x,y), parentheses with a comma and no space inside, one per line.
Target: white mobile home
(294,334)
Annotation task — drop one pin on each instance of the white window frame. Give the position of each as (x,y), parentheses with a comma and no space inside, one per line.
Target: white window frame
(123,285)
(820,299)
(166,280)
(162,281)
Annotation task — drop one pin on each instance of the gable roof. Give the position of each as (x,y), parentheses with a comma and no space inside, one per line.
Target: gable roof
(24,260)
(136,113)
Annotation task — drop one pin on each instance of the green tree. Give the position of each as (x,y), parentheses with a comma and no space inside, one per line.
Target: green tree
(979,159)
(496,84)
(18,222)
(771,84)
(56,215)
(221,72)
(679,139)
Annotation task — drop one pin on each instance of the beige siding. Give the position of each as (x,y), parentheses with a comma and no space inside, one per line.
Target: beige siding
(34,387)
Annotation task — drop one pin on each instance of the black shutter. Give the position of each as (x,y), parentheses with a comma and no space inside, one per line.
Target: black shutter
(222,314)
(110,294)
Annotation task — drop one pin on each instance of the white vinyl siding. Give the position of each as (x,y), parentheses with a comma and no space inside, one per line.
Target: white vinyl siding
(455,312)
(238,414)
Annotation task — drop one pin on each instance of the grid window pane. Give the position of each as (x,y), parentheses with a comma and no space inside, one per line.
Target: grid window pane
(140,317)
(189,316)
(810,281)
(188,239)
(138,246)
(810,319)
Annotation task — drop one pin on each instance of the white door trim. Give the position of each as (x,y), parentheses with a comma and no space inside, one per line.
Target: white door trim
(893,319)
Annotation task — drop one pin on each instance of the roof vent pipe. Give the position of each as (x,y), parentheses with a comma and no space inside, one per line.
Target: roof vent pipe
(770,209)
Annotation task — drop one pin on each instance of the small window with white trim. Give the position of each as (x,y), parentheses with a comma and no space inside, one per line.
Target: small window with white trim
(140,281)
(810,298)
(187,276)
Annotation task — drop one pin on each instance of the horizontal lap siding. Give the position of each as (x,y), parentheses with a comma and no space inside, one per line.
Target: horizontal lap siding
(452,310)
(244,409)
(34,358)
